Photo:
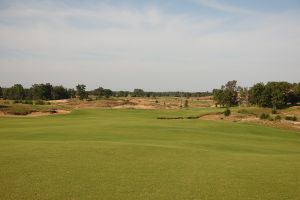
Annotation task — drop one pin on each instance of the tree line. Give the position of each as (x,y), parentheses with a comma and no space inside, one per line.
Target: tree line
(274,95)
(50,92)
(36,92)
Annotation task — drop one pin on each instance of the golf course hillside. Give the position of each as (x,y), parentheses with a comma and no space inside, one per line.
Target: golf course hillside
(132,154)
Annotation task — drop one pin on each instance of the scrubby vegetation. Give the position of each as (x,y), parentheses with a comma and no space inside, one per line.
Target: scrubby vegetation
(264,116)
(50,92)
(291,118)
(274,95)
(227,112)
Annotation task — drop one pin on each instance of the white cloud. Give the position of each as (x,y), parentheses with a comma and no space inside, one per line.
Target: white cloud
(123,48)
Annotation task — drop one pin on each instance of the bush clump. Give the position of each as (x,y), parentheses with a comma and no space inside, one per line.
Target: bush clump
(17,101)
(27,102)
(277,118)
(274,111)
(193,117)
(19,111)
(186,103)
(264,116)
(243,111)
(291,118)
(39,102)
(170,118)
(227,112)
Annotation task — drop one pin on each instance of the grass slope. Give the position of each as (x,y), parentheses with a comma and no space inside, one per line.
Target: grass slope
(129,154)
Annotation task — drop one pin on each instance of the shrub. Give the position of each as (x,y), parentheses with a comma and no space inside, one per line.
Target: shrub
(6,102)
(277,117)
(227,112)
(243,111)
(52,111)
(169,118)
(193,117)
(291,118)
(19,111)
(274,111)
(39,102)
(186,103)
(3,106)
(264,116)
(28,102)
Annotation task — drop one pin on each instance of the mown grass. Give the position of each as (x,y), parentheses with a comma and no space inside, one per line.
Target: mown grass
(130,154)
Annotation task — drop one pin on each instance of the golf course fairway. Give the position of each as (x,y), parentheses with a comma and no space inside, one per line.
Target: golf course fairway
(130,154)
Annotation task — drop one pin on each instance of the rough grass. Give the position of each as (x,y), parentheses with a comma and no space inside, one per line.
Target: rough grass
(130,154)
(25,109)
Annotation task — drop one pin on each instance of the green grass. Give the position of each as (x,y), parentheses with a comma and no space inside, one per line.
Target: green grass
(129,154)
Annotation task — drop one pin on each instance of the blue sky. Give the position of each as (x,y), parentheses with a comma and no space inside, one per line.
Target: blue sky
(191,45)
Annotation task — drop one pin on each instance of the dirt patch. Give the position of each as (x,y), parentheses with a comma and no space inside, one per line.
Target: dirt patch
(62,112)
(142,107)
(59,101)
(55,112)
(232,117)
(252,119)
(37,114)
(212,117)
(294,111)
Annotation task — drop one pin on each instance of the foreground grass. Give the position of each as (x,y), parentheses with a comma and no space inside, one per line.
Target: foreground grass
(129,154)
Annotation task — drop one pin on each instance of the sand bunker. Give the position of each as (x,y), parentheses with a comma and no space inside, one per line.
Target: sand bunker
(36,114)
(142,107)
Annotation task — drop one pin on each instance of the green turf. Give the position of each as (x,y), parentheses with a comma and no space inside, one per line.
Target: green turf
(129,154)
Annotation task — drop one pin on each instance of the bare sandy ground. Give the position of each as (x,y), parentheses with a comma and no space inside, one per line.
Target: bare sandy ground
(59,101)
(252,119)
(144,107)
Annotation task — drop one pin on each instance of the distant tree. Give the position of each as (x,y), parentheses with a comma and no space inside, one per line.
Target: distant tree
(227,95)
(16,92)
(80,91)
(126,93)
(243,97)
(1,92)
(273,94)
(218,95)
(59,92)
(231,93)
(71,93)
(120,94)
(296,90)
(256,94)
(147,94)
(107,93)
(186,103)
(41,91)
(279,93)
(138,93)
(99,92)
(294,94)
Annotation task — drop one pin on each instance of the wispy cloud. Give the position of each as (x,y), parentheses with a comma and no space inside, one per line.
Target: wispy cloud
(224,7)
(125,47)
